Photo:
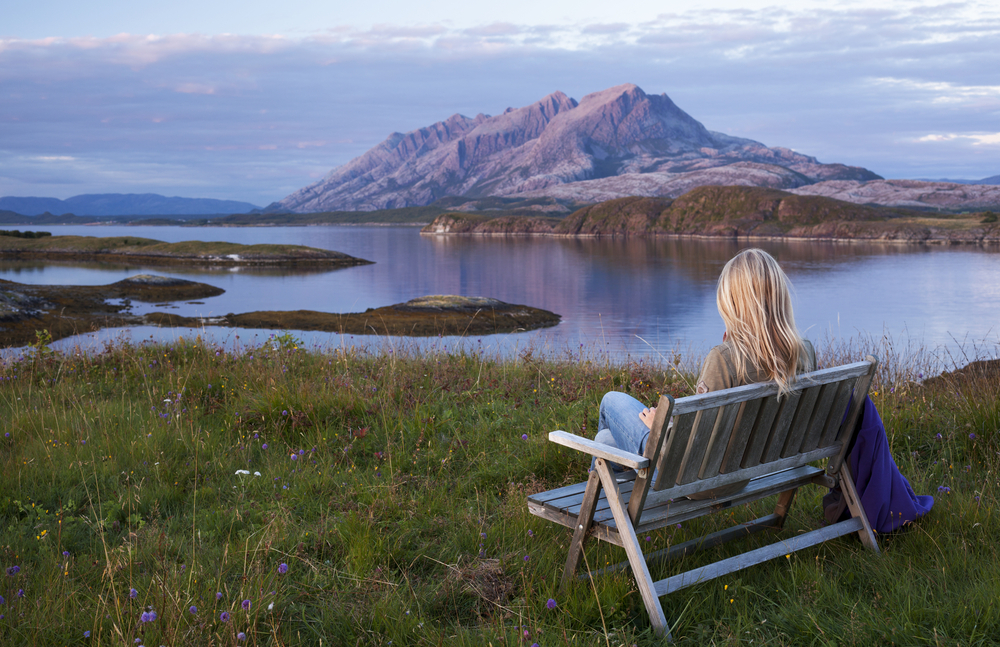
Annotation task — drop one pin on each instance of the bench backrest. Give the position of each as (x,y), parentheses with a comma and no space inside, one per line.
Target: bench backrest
(729,436)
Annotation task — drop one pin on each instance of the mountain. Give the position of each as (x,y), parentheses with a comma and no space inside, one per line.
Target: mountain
(993,179)
(119,204)
(908,193)
(618,137)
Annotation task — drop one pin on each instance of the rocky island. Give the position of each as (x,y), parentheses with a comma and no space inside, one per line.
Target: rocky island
(421,317)
(737,212)
(155,252)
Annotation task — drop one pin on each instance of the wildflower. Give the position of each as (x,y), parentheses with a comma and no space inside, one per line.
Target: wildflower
(86,634)
(241,636)
(256,473)
(264,446)
(246,605)
(938,437)
(20,593)
(193,609)
(65,553)
(524,436)
(282,568)
(271,606)
(224,616)
(551,604)
(2,601)
(972,436)
(295,457)
(284,412)
(132,593)
(242,471)
(13,570)
(218,596)
(527,557)
(531,533)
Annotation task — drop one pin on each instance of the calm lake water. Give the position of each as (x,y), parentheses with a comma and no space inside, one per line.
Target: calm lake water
(638,298)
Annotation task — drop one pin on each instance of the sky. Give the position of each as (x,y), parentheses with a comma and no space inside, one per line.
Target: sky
(252,100)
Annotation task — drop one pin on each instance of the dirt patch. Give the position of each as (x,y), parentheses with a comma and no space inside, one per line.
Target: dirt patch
(426,316)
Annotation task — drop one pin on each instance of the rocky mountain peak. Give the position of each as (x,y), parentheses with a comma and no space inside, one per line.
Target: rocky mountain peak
(553,142)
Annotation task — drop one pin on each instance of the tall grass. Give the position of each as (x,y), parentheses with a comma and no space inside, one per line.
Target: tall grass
(284,496)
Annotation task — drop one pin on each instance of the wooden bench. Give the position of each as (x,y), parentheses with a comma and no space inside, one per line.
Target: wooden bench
(700,443)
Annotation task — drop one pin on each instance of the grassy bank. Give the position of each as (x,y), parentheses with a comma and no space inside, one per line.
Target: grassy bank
(281,496)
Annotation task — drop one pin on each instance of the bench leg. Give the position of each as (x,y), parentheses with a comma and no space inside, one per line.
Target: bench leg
(784,505)
(854,505)
(586,517)
(635,557)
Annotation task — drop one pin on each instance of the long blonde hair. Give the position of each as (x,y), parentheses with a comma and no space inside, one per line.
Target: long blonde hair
(756,306)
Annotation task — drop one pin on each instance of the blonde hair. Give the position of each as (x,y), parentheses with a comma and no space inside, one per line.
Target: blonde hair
(756,306)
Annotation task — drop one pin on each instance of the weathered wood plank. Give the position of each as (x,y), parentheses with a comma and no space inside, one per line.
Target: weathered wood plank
(738,443)
(781,427)
(654,445)
(739,562)
(800,423)
(837,412)
(600,450)
(857,511)
(673,451)
(761,431)
(720,441)
(701,434)
(583,521)
(821,411)
(639,568)
(849,428)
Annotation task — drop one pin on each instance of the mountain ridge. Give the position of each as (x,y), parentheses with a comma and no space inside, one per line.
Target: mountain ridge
(614,133)
(123,204)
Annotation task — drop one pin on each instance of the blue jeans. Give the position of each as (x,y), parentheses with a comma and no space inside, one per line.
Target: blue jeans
(620,415)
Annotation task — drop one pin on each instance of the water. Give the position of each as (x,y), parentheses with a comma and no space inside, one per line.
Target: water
(637,298)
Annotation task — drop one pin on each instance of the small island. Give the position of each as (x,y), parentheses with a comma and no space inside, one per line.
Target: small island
(156,252)
(66,310)
(421,317)
(30,312)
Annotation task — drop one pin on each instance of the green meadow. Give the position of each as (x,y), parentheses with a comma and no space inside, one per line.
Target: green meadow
(184,494)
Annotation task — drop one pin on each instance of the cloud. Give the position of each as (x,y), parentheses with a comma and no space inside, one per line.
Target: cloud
(256,117)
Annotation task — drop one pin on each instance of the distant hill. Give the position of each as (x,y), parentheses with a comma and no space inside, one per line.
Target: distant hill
(124,204)
(626,141)
(993,179)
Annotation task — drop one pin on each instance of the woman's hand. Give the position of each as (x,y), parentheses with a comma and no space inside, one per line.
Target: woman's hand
(646,415)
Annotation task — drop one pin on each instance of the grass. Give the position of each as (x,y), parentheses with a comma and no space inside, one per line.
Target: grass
(390,506)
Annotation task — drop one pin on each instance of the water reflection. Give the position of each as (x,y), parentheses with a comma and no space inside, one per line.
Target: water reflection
(610,292)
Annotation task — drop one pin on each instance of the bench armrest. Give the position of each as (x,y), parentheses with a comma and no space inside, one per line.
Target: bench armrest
(600,450)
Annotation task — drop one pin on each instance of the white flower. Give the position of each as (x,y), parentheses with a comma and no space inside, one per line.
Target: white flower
(242,472)
(256,473)
(270,606)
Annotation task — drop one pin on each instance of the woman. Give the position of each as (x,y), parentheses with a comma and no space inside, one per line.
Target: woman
(761,343)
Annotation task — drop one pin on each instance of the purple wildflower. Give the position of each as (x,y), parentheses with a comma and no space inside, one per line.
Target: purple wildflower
(133,594)
(302,452)
(264,446)
(241,636)
(218,596)
(524,436)
(86,634)
(224,616)
(531,533)
(246,605)
(65,553)
(551,604)
(20,593)
(972,436)
(284,412)
(282,568)
(295,457)
(938,437)
(13,570)
(527,557)
(193,609)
